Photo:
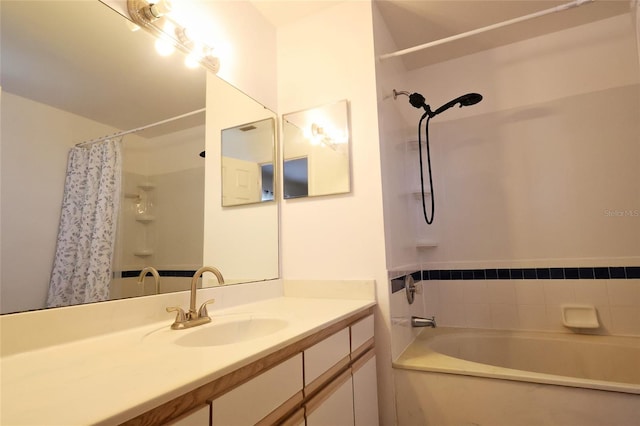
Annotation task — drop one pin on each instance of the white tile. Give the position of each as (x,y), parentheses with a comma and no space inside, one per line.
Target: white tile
(398,304)
(477,315)
(533,317)
(604,318)
(529,292)
(431,299)
(592,292)
(557,292)
(554,318)
(501,291)
(475,291)
(625,320)
(504,316)
(451,292)
(624,292)
(452,315)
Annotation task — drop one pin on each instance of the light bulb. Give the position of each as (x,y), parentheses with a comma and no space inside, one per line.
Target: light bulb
(164,47)
(161,8)
(192,60)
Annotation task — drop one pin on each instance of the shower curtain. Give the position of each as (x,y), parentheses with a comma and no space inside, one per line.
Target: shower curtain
(86,235)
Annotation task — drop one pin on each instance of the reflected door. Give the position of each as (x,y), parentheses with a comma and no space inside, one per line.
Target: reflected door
(240,181)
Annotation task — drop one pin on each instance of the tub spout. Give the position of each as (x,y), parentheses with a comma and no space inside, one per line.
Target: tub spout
(423,322)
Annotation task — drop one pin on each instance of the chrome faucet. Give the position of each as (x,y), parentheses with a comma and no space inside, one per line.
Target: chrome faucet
(156,277)
(423,322)
(193,318)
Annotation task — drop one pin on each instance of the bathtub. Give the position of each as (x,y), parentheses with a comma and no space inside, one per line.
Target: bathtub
(450,376)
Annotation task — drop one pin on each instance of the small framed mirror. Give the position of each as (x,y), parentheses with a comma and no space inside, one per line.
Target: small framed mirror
(317,151)
(247,163)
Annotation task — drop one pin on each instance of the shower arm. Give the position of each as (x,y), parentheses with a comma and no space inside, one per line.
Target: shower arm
(416,100)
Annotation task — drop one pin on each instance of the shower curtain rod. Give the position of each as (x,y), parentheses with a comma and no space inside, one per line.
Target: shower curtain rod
(138,129)
(559,8)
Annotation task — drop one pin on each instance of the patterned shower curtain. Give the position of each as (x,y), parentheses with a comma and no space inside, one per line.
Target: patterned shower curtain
(86,236)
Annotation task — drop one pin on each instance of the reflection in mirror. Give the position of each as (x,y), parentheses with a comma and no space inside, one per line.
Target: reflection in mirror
(72,72)
(316,151)
(242,241)
(247,163)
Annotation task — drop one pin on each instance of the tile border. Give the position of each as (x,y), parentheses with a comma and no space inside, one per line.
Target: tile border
(161,272)
(567,273)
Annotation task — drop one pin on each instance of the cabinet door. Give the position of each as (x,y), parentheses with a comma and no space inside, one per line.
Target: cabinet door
(197,417)
(365,394)
(333,406)
(252,401)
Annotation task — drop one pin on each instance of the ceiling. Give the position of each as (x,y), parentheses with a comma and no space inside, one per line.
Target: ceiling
(415,22)
(69,54)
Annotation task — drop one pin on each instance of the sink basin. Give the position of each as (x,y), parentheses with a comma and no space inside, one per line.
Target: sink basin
(229,332)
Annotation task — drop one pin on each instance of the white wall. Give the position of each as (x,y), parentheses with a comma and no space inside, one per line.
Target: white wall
(324,58)
(36,139)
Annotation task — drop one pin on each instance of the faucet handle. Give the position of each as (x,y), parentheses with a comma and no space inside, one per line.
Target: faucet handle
(181,316)
(202,312)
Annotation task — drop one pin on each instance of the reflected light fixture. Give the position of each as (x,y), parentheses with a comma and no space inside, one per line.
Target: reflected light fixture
(327,136)
(156,18)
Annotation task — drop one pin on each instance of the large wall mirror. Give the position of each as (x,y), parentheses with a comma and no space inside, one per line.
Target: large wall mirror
(317,151)
(74,71)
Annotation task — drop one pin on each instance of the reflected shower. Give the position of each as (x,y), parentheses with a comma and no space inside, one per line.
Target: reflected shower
(418,101)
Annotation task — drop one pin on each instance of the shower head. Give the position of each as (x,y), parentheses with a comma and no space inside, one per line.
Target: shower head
(464,100)
(415,99)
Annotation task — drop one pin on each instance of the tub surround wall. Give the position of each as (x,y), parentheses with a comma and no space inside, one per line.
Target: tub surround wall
(537,184)
(543,172)
(515,299)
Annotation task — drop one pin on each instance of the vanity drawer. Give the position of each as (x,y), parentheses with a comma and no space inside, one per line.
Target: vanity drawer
(329,354)
(252,401)
(362,332)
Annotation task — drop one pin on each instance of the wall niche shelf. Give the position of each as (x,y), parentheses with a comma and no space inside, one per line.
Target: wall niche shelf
(147,186)
(145,218)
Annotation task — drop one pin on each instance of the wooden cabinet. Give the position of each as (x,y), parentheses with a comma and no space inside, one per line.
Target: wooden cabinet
(198,417)
(365,393)
(327,378)
(333,405)
(267,393)
(340,378)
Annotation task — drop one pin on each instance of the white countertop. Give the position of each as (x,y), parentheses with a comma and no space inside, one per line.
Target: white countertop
(114,377)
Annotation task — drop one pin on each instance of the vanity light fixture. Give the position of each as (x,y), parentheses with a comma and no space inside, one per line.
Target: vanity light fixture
(155,17)
(152,11)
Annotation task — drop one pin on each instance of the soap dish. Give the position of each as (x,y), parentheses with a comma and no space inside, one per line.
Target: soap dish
(579,316)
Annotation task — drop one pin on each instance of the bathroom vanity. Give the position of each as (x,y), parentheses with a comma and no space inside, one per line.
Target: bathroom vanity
(289,360)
